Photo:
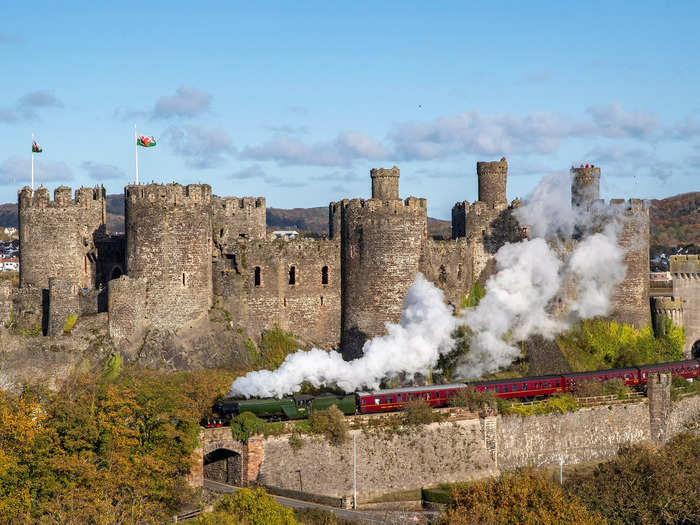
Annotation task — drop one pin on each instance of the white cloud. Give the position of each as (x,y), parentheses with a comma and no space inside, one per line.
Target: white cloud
(255,172)
(342,151)
(98,171)
(186,102)
(612,121)
(16,170)
(201,147)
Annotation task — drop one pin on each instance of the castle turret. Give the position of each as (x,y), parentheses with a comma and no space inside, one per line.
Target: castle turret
(492,181)
(585,185)
(385,183)
(57,238)
(236,218)
(685,270)
(666,307)
(381,242)
(169,238)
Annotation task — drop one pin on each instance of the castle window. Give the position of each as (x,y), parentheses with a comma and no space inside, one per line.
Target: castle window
(321,300)
(258,275)
(285,302)
(292,275)
(459,272)
(184,283)
(221,232)
(324,275)
(442,278)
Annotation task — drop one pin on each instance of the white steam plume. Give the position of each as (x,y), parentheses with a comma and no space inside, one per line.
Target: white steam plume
(534,275)
(521,300)
(411,347)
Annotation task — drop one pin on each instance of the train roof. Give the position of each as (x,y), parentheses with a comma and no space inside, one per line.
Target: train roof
(600,372)
(429,388)
(515,380)
(672,363)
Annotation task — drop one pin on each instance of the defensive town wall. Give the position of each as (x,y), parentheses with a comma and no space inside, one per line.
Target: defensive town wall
(443,452)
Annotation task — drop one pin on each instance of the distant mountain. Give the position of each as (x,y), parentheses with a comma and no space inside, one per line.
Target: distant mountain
(675,221)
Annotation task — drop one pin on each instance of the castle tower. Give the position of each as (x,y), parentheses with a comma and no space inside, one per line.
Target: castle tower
(685,270)
(57,238)
(585,185)
(380,250)
(169,236)
(492,181)
(385,183)
(631,298)
(663,307)
(236,218)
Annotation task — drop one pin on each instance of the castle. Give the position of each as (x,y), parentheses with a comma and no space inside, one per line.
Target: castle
(185,251)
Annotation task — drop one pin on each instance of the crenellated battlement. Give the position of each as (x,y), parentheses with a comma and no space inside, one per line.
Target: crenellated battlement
(229,205)
(385,183)
(662,304)
(682,266)
(63,197)
(379,206)
(173,194)
(631,206)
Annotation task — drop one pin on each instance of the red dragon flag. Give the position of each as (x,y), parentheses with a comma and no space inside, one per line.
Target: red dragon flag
(146,142)
(35,147)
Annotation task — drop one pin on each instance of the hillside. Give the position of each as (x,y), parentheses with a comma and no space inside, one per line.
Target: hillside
(675,221)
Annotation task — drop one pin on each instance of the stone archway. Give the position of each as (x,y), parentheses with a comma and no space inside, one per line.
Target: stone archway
(224,466)
(695,350)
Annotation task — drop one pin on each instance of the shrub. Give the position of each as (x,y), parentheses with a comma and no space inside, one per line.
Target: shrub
(553,405)
(70,323)
(313,516)
(256,507)
(296,441)
(643,484)
(515,497)
(113,367)
(245,425)
(482,402)
(274,347)
(331,423)
(418,412)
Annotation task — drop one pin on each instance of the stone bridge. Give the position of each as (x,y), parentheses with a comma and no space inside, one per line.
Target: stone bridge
(224,459)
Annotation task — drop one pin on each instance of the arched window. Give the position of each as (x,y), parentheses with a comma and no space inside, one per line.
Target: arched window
(184,283)
(324,275)
(258,275)
(292,275)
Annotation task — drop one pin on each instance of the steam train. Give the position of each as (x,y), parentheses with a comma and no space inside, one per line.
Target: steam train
(299,406)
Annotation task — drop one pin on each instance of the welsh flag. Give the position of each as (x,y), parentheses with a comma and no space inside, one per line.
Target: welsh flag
(35,147)
(146,142)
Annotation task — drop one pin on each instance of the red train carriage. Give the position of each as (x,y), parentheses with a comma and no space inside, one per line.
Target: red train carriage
(687,369)
(396,398)
(629,376)
(522,386)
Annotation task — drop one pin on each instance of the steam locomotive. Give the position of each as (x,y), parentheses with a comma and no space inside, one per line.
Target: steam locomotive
(301,405)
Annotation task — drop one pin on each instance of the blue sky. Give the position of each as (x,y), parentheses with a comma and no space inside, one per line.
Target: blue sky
(297,102)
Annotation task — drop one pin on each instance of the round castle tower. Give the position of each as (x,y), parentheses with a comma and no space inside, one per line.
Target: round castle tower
(169,236)
(671,307)
(380,250)
(385,183)
(585,185)
(57,238)
(492,181)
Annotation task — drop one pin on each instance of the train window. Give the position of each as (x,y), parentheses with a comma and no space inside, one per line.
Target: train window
(376,400)
(364,401)
(524,386)
(515,388)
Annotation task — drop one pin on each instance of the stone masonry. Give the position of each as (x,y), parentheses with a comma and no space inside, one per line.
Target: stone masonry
(186,250)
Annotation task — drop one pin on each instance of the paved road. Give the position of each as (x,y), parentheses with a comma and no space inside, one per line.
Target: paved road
(298,504)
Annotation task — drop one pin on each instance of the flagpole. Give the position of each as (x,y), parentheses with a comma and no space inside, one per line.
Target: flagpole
(32,161)
(136,151)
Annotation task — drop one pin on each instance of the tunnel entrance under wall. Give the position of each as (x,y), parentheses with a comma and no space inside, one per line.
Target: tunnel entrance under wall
(695,350)
(224,466)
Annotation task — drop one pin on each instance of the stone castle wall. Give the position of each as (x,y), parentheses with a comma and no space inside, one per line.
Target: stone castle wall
(447,264)
(631,298)
(234,218)
(253,281)
(169,246)
(57,236)
(64,304)
(685,271)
